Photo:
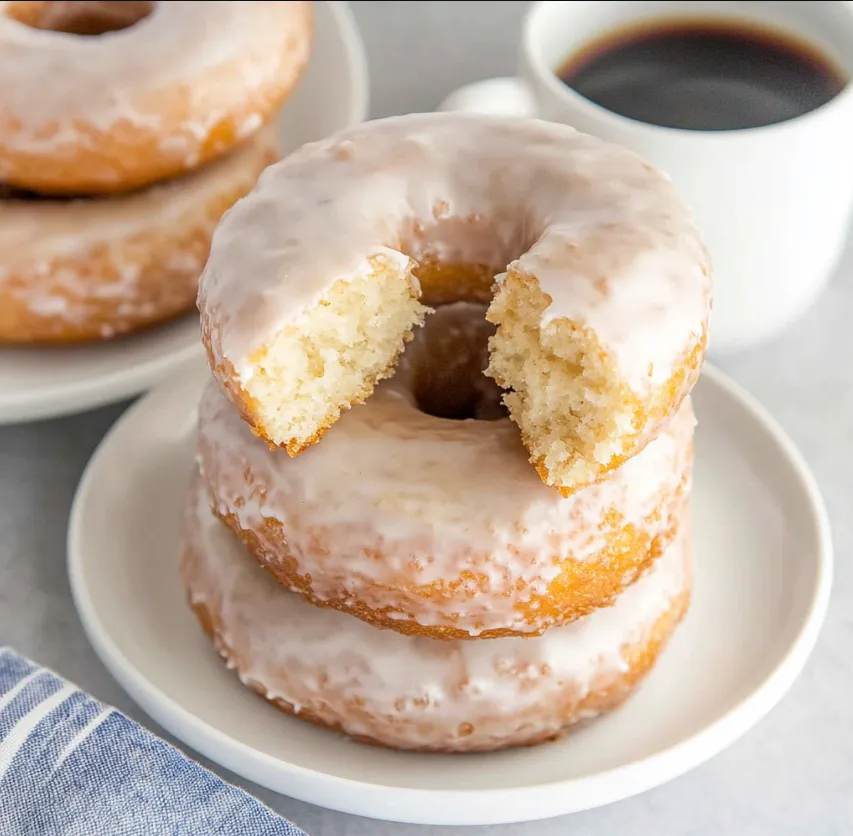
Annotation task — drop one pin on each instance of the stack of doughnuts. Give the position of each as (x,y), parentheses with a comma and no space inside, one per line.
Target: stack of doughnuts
(445,456)
(126,130)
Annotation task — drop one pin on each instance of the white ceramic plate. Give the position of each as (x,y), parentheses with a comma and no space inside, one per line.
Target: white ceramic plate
(40,383)
(762,587)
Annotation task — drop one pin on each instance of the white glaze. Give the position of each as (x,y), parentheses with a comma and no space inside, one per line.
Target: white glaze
(61,91)
(414,692)
(393,499)
(603,232)
(52,242)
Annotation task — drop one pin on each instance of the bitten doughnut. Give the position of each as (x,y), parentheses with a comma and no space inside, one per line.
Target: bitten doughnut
(128,93)
(91,269)
(439,527)
(603,292)
(414,693)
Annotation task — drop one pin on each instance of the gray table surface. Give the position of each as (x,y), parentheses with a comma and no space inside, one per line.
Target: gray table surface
(792,774)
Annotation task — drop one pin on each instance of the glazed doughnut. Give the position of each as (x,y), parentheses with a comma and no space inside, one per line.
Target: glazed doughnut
(89,269)
(602,298)
(439,527)
(415,693)
(88,113)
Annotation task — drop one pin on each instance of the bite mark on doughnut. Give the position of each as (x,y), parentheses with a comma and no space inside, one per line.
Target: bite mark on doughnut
(578,419)
(332,357)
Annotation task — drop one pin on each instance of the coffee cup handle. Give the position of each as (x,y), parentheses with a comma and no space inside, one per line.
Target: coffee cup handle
(495,96)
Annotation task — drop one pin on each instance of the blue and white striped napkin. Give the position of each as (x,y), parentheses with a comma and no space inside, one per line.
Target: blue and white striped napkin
(72,766)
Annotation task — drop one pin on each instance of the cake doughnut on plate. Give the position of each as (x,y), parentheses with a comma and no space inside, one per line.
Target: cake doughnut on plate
(89,269)
(415,693)
(439,527)
(126,94)
(603,286)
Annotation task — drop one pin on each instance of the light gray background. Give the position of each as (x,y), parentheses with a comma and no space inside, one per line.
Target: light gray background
(793,774)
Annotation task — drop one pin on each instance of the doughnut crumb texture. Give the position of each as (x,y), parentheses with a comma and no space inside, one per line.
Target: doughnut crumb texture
(578,417)
(333,355)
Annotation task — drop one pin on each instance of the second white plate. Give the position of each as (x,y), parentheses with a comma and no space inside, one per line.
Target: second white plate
(762,587)
(40,383)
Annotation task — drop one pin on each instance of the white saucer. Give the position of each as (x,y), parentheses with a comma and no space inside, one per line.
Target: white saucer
(40,383)
(762,587)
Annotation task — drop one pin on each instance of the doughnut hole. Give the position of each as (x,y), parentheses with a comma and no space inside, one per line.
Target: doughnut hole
(443,284)
(80,18)
(577,419)
(332,357)
(446,361)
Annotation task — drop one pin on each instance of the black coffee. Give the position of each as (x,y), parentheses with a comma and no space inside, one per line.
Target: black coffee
(703,75)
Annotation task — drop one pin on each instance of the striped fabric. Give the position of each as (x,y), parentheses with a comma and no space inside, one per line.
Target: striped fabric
(72,766)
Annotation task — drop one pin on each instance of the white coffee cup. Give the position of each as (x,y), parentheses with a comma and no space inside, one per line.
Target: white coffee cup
(773,203)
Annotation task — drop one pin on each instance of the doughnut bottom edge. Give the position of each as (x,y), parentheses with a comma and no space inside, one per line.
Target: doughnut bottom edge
(609,696)
(421,694)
